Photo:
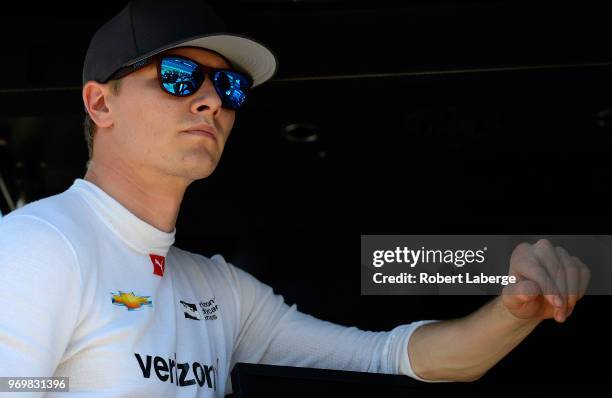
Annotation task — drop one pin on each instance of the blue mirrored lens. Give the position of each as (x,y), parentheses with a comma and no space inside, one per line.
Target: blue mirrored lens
(180,76)
(232,88)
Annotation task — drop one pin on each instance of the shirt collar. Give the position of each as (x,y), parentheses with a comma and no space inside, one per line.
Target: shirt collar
(138,234)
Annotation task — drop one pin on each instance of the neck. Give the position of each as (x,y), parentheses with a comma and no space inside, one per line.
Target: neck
(152,198)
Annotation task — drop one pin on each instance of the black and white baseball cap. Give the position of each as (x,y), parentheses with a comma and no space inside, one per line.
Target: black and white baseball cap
(147,27)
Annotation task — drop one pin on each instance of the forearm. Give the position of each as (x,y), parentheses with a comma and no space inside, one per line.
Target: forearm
(466,348)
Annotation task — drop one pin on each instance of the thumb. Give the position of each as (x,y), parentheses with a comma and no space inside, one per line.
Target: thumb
(516,295)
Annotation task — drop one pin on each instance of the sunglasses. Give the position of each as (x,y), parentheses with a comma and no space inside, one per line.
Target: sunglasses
(181,76)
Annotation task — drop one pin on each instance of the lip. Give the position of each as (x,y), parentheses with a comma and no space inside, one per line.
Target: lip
(203,130)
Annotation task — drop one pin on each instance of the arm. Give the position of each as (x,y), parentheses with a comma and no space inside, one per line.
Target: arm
(271,332)
(39,295)
(465,349)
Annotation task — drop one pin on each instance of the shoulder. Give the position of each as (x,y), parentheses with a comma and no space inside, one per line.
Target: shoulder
(65,216)
(62,212)
(195,262)
(31,233)
(218,270)
(35,254)
(42,231)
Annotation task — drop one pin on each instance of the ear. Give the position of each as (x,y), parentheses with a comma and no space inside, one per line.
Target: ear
(95,97)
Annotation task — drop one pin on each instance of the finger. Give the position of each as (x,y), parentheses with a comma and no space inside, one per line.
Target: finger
(520,298)
(522,291)
(525,264)
(547,256)
(585,276)
(572,278)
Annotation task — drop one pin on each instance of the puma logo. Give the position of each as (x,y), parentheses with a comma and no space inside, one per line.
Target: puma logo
(159,264)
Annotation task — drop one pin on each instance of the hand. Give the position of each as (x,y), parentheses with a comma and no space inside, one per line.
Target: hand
(549,282)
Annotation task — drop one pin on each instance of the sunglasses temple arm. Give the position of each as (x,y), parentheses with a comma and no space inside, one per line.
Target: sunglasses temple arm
(126,70)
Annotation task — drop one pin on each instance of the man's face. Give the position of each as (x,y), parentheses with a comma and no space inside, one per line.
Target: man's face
(149,125)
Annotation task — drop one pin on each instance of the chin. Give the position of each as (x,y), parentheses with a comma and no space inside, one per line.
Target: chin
(197,167)
(203,175)
(197,173)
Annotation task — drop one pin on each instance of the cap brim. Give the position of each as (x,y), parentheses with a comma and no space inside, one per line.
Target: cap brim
(244,53)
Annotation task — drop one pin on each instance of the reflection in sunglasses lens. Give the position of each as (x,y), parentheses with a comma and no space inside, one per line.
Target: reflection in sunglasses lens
(180,76)
(231,87)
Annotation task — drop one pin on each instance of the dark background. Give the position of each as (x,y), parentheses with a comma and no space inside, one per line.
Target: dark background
(432,117)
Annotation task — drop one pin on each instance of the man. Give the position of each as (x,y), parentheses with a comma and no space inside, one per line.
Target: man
(92,288)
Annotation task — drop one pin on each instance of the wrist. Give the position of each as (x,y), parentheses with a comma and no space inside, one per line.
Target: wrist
(507,317)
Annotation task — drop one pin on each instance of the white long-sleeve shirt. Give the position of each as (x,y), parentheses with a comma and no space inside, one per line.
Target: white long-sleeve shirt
(91,292)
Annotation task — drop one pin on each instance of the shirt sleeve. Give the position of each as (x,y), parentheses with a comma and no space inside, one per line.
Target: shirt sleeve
(271,332)
(39,296)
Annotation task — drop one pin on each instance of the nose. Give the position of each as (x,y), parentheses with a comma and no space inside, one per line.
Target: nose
(206,99)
